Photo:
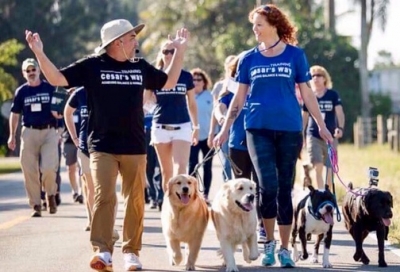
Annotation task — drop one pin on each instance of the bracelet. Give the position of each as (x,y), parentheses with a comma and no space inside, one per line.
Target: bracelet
(196,127)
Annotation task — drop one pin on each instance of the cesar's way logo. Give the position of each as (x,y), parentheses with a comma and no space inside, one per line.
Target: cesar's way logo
(125,77)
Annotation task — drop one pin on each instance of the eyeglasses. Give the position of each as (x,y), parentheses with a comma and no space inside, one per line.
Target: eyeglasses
(197,79)
(31,70)
(317,75)
(168,51)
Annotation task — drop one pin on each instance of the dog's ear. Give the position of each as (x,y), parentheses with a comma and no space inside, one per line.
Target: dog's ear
(195,186)
(311,188)
(350,185)
(390,198)
(326,187)
(170,182)
(226,188)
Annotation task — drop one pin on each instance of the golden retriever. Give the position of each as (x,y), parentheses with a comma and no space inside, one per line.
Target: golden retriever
(234,215)
(184,218)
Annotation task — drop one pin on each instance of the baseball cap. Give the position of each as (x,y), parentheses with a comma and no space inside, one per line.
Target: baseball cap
(29,62)
(113,30)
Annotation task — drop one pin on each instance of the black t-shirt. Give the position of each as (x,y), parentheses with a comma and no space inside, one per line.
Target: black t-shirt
(34,103)
(115,101)
(171,105)
(327,104)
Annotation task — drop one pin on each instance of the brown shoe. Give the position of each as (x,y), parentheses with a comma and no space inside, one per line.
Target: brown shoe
(51,200)
(37,211)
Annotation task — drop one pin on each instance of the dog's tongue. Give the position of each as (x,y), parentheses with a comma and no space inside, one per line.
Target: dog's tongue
(386,221)
(248,206)
(328,218)
(185,199)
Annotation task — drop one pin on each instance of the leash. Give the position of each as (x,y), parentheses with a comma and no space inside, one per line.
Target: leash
(332,155)
(211,153)
(235,168)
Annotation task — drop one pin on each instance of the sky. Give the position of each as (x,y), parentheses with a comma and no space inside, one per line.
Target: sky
(389,40)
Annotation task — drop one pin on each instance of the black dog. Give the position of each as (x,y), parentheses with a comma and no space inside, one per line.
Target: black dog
(314,215)
(366,210)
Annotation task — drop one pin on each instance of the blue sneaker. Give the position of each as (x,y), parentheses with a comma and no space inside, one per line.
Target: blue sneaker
(262,236)
(269,251)
(285,259)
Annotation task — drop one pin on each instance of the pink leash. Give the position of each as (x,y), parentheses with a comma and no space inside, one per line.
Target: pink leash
(332,154)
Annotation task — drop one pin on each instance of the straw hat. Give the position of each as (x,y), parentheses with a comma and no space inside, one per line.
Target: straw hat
(113,30)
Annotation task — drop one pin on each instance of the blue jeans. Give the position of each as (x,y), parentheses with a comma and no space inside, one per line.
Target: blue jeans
(153,177)
(274,155)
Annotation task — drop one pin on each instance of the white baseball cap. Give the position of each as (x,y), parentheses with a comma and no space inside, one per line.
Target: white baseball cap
(113,30)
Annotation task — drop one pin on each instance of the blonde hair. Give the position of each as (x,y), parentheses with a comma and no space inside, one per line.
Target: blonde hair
(159,60)
(231,66)
(321,70)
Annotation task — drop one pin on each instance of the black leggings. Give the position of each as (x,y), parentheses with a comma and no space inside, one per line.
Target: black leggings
(242,160)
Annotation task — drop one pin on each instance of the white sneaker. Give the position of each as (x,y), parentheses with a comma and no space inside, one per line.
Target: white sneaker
(101,261)
(132,262)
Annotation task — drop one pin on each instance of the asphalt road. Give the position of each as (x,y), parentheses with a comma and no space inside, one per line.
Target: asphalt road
(56,243)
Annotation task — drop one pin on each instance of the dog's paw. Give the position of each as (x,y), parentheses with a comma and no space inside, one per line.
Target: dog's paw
(176,259)
(231,268)
(304,256)
(254,255)
(326,265)
(364,259)
(382,263)
(190,267)
(314,259)
(357,256)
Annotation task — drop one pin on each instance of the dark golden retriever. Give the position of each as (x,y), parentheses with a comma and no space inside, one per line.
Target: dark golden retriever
(184,218)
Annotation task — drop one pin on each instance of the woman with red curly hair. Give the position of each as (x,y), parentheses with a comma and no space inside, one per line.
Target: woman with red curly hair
(273,120)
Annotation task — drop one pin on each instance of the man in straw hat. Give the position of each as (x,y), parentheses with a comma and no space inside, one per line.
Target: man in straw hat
(114,81)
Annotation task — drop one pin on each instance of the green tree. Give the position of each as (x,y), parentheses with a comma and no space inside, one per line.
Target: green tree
(8,52)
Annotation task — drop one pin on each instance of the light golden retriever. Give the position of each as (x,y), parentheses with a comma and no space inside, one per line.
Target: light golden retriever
(184,218)
(234,215)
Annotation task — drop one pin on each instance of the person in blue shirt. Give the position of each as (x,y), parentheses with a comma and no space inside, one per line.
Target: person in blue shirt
(267,74)
(205,104)
(175,124)
(331,108)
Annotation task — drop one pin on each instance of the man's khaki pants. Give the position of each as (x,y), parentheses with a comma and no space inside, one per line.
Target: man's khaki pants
(105,168)
(35,143)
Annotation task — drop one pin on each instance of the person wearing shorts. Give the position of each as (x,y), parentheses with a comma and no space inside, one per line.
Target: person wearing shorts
(172,132)
(70,153)
(331,108)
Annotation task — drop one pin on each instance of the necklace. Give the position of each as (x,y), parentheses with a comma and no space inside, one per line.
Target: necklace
(272,46)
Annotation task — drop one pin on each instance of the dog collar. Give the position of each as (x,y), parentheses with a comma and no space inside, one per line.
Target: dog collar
(316,214)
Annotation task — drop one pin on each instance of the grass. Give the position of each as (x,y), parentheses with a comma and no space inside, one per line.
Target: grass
(353,166)
(9,167)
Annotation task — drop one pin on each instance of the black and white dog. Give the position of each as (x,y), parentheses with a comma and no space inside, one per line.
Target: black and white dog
(314,215)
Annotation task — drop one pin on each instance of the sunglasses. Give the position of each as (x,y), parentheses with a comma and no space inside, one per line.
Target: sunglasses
(317,75)
(168,51)
(197,79)
(31,70)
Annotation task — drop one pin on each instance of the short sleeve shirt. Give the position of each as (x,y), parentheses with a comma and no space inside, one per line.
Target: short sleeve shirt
(272,99)
(327,104)
(34,103)
(171,105)
(115,101)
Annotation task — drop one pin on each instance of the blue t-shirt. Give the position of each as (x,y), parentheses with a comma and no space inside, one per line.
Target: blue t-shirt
(205,105)
(171,105)
(327,104)
(78,101)
(272,102)
(237,134)
(34,103)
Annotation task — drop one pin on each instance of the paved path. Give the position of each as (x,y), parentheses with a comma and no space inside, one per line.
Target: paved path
(58,243)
